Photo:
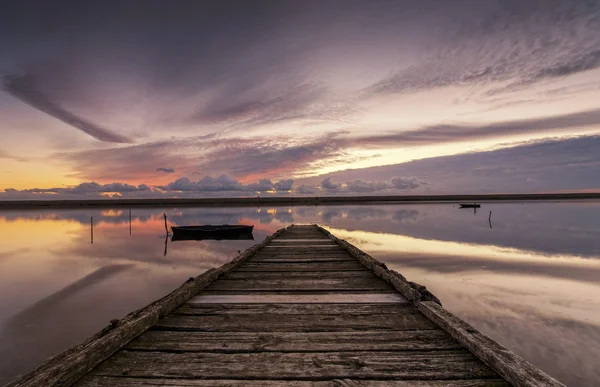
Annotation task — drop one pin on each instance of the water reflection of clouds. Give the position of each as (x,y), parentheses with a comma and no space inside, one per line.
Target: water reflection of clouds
(549,228)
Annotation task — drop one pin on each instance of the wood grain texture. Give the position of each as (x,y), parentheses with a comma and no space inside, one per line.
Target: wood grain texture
(280,297)
(175,341)
(305,260)
(250,275)
(292,323)
(351,283)
(110,381)
(301,266)
(509,365)
(349,310)
(448,364)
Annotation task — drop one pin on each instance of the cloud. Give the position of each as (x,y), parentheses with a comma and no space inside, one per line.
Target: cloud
(6,155)
(461,132)
(307,189)
(224,184)
(510,42)
(329,185)
(84,189)
(284,185)
(25,88)
(362,186)
(166,170)
(406,182)
(548,165)
(240,158)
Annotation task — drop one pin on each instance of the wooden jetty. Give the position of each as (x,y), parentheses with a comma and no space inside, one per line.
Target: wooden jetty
(302,309)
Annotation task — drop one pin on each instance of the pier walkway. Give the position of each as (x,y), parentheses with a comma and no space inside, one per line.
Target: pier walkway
(303,309)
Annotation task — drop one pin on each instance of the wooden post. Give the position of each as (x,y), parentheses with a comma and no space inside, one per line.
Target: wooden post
(130,221)
(92,229)
(166,240)
(166,228)
(490,219)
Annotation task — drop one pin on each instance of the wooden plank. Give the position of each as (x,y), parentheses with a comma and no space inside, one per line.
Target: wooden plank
(301,266)
(292,323)
(303,246)
(175,341)
(250,275)
(309,236)
(447,364)
(303,257)
(350,310)
(325,309)
(263,298)
(69,366)
(294,242)
(306,254)
(302,284)
(303,260)
(111,381)
(509,365)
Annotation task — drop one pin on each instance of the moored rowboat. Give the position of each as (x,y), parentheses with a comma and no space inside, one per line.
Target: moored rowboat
(226,231)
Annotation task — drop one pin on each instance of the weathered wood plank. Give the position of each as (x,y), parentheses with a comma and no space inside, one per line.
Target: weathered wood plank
(303,260)
(307,252)
(307,255)
(302,242)
(111,381)
(175,341)
(447,364)
(250,275)
(301,266)
(304,298)
(303,246)
(349,310)
(509,365)
(351,283)
(292,323)
(69,366)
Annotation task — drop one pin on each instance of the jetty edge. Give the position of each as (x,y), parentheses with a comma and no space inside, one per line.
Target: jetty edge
(359,324)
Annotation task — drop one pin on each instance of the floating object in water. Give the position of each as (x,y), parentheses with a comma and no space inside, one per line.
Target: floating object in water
(219,232)
(472,205)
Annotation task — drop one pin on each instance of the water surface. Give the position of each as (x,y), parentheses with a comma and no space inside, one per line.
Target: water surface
(529,278)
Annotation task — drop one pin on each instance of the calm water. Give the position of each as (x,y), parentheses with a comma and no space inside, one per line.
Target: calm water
(530,279)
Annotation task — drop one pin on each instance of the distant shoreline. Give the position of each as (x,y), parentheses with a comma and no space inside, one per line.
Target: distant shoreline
(283,200)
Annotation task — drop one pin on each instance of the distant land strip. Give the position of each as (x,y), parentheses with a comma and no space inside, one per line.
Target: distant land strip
(288,200)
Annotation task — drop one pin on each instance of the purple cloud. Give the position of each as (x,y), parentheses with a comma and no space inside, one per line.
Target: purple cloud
(165,170)
(25,88)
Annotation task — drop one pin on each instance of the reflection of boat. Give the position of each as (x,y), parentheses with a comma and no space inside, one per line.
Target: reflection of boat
(472,205)
(220,232)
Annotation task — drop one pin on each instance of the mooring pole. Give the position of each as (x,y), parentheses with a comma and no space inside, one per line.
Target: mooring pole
(166,228)
(92,229)
(130,221)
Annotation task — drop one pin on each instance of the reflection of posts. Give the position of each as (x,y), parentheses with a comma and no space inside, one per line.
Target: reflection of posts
(166,239)
(166,229)
(130,221)
(92,230)
(490,219)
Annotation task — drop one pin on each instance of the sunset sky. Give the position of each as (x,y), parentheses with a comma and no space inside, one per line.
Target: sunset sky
(231,98)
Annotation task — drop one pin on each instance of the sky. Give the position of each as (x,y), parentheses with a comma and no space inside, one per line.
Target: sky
(238,98)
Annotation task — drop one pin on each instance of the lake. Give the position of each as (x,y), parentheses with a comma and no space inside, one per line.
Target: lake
(529,277)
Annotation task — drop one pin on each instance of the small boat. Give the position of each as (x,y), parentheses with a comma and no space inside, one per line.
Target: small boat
(219,232)
(472,205)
